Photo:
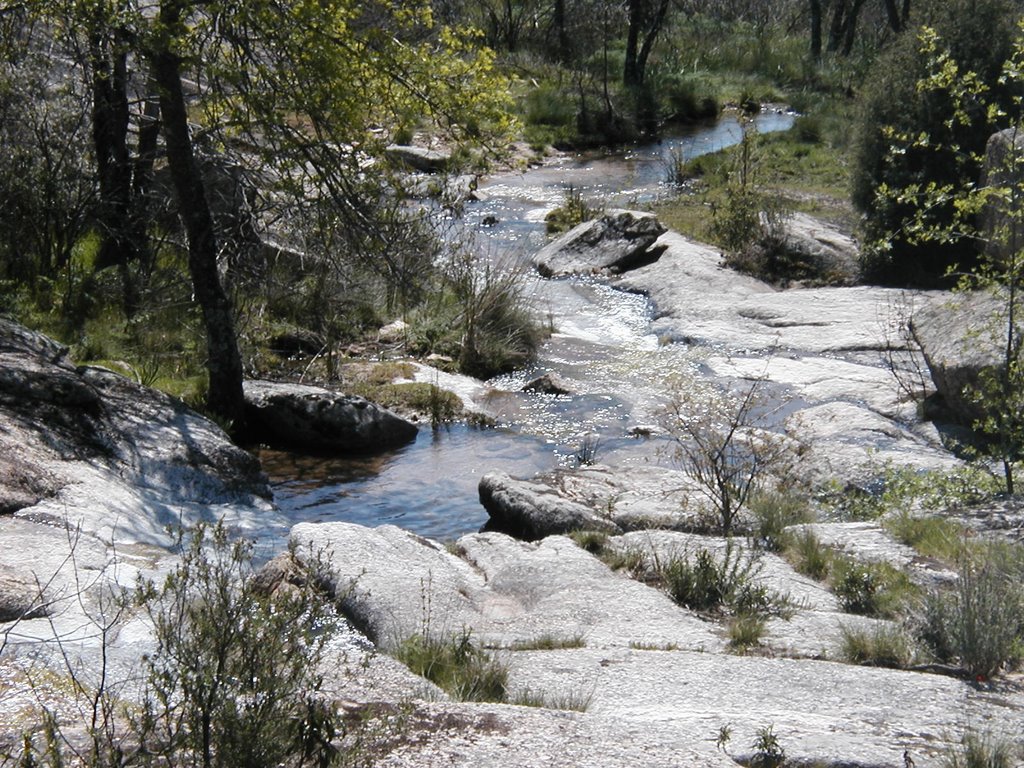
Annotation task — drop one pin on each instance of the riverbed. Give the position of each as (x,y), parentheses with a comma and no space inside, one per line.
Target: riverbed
(602,345)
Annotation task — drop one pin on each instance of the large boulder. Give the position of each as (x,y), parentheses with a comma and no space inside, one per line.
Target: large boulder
(418,158)
(615,243)
(532,511)
(61,422)
(1002,169)
(959,340)
(316,419)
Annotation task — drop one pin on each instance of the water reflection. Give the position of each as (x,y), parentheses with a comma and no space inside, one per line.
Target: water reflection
(429,486)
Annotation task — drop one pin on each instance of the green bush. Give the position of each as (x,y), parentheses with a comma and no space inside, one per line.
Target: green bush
(708,582)
(980,622)
(869,588)
(982,751)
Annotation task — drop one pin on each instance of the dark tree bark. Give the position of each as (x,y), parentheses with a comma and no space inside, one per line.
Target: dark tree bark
(850,28)
(897,15)
(119,245)
(223,362)
(816,30)
(564,53)
(646,18)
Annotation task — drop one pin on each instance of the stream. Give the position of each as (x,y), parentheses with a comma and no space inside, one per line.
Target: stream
(602,346)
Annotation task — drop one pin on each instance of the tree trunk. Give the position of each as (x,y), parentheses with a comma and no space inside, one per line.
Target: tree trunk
(564,54)
(653,29)
(835,29)
(108,61)
(850,28)
(816,30)
(893,15)
(223,361)
(631,74)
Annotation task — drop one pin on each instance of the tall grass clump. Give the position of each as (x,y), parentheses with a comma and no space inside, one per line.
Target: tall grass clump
(979,623)
(455,665)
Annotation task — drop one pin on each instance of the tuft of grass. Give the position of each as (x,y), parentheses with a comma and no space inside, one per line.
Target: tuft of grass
(980,621)
(630,559)
(932,536)
(774,512)
(639,645)
(882,646)
(550,642)
(809,556)
(593,542)
(981,751)
(745,632)
(576,701)
(456,666)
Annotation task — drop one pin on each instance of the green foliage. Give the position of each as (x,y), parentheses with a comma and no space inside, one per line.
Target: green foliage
(924,126)
(882,646)
(896,490)
(768,752)
(233,680)
(745,632)
(932,536)
(456,666)
(870,588)
(591,541)
(574,210)
(809,556)
(549,642)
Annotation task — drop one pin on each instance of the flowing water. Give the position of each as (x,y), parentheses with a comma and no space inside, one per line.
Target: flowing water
(602,346)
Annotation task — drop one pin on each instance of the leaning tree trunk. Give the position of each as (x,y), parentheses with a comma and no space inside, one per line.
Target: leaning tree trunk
(223,361)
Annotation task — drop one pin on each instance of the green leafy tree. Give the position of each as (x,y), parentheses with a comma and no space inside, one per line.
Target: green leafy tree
(299,99)
(977,37)
(981,219)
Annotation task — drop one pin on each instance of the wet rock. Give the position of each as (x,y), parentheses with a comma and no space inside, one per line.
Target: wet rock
(316,419)
(959,342)
(532,511)
(548,384)
(419,158)
(617,242)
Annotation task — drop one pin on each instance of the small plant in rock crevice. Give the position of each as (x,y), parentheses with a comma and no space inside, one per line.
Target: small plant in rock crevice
(768,752)
(455,665)
(979,622)
(982,751)
(870,588)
